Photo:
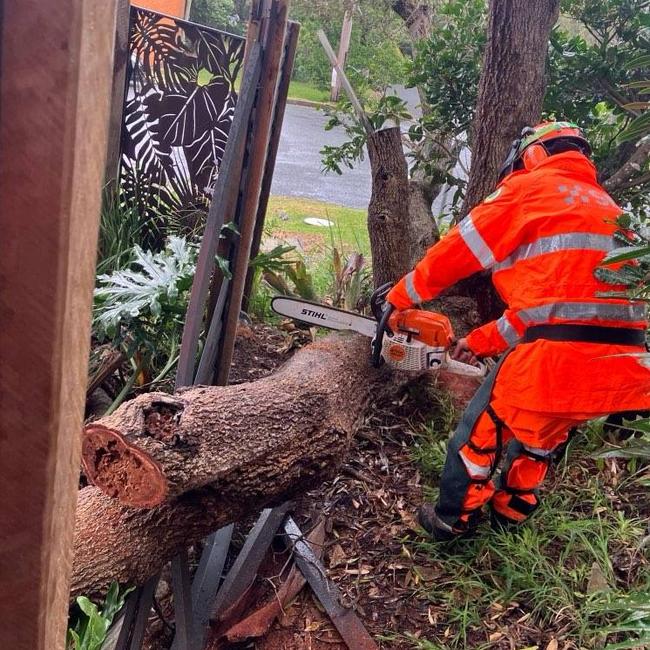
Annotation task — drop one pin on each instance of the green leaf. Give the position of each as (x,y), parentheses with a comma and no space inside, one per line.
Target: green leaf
(636,106)
(153,284)
(642,61)
(87,606)
(74,642)
(224,267)
(626,253)
(639,127)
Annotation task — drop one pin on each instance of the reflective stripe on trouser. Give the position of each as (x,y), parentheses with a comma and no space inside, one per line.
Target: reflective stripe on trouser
(466,484)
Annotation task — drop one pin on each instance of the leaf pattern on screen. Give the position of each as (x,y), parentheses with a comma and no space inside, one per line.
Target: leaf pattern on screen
(179,105)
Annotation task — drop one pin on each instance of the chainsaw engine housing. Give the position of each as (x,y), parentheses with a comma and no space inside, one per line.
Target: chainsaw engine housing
(403,352)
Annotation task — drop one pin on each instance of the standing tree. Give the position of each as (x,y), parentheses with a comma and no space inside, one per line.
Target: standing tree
(511,88)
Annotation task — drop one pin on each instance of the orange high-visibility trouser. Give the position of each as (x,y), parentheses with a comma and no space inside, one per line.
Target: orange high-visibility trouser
(528,440)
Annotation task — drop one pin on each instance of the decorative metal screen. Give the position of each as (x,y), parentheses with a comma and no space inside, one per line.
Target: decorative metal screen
(179,104)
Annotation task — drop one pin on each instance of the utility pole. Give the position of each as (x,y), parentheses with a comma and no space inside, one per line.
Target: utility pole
(344,46)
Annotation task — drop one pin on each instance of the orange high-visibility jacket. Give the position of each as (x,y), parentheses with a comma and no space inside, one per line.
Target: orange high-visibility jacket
(542,234)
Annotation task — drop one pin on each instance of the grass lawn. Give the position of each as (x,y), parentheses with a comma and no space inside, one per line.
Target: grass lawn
(303,90)
(575,575)
(318,252)
(285,220)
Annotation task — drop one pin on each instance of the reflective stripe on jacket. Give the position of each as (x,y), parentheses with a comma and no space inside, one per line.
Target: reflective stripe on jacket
(542,234)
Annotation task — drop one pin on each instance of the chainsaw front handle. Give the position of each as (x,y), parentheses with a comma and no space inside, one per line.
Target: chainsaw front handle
(378,300)
(378,341)
(464,369)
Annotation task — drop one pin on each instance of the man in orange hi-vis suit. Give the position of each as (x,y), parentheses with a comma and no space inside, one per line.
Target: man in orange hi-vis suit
(542,233)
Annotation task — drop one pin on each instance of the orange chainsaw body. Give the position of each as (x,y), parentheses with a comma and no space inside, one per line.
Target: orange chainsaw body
(428,327)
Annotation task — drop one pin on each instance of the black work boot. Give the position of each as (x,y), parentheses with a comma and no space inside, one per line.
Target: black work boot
(502,523)
(438,529)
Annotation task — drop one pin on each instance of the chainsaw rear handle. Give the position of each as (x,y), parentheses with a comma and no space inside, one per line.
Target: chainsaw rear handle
(464,369)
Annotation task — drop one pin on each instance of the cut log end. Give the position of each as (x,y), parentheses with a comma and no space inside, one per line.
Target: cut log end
(121,470)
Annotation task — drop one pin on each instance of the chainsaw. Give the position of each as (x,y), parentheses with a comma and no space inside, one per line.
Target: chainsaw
(412,340)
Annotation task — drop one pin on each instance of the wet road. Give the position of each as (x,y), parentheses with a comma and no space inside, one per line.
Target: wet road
(298,165)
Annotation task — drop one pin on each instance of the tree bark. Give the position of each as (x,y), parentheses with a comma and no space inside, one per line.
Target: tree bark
(278,430)
(388,210)
(511,88)
(424,230)
(115,542)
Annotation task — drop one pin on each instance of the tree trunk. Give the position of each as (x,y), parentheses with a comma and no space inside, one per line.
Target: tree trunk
(511,88)
(418,17)
(400,222)
(388,210)
(283,427)
(511,91)
(266,441)
(424,230)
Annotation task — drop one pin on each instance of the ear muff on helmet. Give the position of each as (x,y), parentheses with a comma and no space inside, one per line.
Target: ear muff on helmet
(514,153)
(533,156)
(537,143)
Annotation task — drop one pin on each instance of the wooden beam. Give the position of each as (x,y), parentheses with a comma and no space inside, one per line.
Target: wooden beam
(291,44)
(347,86)
(222,206)
(120,62)
(344,46)
(274,30)
(55,81)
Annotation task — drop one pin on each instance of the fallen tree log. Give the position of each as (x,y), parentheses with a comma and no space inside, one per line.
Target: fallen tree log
(294,422)
(232,450)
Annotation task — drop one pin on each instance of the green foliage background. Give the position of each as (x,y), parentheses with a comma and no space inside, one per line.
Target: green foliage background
(378,37)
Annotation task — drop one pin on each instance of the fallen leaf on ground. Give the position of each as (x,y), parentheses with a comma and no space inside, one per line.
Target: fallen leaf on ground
(597,580)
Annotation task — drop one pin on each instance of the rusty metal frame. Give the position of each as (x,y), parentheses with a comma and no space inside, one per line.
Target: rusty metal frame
(345,620)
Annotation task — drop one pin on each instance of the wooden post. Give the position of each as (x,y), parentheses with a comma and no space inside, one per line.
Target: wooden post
(347,86)
(274,30)
(55,82)
(120,63)
(344,46)
(293,31)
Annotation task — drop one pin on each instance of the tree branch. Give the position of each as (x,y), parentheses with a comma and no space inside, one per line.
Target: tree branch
(417,16)
(628,175)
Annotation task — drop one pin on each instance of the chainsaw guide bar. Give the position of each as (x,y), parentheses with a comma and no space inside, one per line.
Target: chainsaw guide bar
(323,315)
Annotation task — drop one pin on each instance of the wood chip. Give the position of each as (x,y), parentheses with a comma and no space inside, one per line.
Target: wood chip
(337,556)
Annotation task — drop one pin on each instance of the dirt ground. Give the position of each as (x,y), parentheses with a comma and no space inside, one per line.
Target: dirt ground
(371,549)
